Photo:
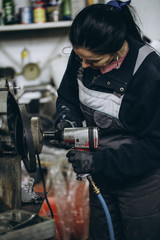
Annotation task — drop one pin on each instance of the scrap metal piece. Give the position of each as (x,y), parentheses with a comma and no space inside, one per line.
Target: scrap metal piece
(28,194)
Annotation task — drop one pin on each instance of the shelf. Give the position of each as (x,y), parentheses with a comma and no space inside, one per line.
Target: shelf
(23,27)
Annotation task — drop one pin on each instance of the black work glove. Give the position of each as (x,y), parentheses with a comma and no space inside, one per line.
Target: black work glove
(82,161)
(60,143)
(64,124)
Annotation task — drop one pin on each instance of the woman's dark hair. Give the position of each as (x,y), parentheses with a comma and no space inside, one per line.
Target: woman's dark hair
(103,29)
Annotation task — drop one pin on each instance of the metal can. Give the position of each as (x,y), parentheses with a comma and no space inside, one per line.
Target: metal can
(39,14)
(26,15)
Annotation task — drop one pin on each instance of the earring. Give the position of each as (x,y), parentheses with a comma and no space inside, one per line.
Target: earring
(117,61)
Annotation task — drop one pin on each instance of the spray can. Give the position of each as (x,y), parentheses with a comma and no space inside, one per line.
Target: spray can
(26,15)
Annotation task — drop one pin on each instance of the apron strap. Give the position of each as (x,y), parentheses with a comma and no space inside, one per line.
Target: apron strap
(143,53)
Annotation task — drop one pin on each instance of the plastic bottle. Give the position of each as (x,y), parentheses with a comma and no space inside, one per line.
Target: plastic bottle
(8,9)
(66,10)
(25,56)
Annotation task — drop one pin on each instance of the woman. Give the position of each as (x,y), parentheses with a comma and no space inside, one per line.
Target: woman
(112,81)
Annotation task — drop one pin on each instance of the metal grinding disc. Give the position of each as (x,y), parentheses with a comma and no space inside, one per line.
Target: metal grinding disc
(24,140)
(15,130)
(37,133)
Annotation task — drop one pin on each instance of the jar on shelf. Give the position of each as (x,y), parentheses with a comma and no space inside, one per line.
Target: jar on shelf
(53,13)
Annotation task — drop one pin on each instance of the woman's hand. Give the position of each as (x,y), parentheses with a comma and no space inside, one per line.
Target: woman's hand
(82,161)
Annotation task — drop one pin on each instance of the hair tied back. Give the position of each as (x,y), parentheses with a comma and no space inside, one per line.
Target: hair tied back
(118,4)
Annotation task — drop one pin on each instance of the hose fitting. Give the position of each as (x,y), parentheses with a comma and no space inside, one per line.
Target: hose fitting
(95,188)
(103,203)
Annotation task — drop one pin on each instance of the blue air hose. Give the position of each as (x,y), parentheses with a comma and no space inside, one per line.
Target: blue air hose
(109,221)
(104,205)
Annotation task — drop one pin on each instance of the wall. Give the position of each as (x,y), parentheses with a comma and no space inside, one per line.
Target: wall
(148,12)
(46,48)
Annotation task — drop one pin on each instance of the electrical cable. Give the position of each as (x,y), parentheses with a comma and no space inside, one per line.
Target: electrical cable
(104,205)
(44,187)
